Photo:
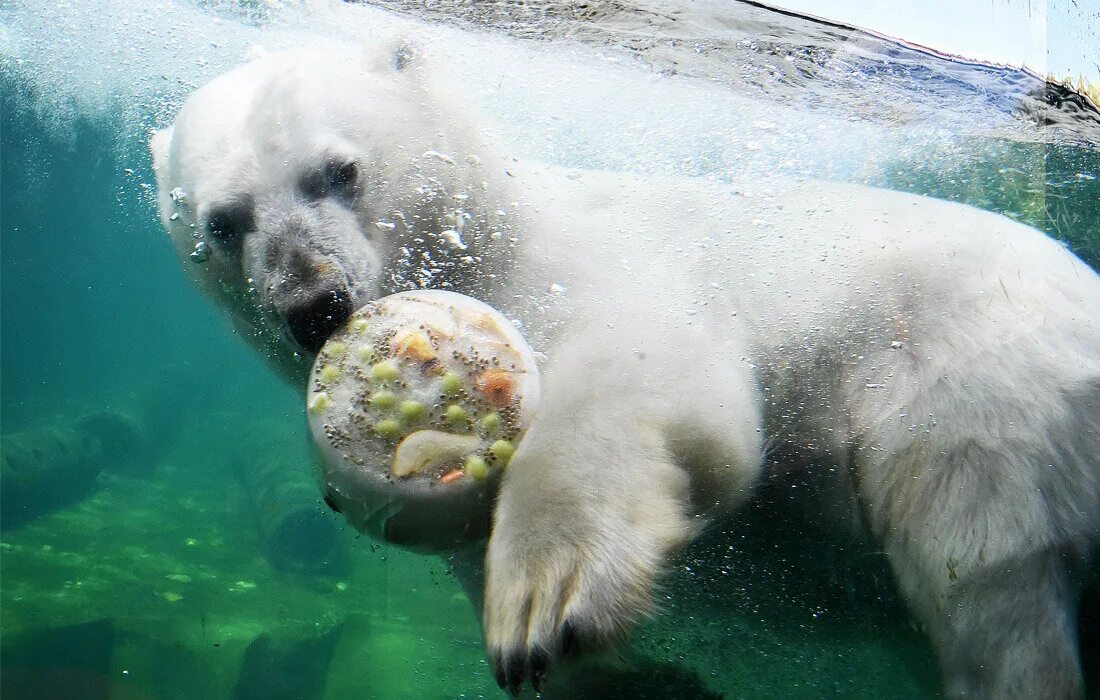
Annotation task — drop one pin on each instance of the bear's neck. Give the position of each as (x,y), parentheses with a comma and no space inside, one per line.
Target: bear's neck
(457,224)
(470,225)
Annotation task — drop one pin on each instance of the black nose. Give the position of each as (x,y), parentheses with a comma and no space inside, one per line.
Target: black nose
(312,322)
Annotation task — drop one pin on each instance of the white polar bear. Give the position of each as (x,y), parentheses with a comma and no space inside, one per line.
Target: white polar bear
(940,362)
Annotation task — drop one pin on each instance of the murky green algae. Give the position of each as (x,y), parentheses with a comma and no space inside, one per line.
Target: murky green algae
(168,562)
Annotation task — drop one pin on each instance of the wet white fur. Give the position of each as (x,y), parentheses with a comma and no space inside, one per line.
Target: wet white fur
(941,361)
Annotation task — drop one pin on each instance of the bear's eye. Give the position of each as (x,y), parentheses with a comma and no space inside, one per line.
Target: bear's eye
(227,225)
(343,177)
(336,178)
(220,226)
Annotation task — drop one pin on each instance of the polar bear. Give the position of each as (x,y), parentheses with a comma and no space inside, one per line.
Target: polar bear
(940,363)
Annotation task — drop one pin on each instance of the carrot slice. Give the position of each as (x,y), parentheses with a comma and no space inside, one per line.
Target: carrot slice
(452,476)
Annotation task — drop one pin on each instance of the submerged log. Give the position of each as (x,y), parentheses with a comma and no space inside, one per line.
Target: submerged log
(56,465)
(60,662)
(297,534)
(286,668)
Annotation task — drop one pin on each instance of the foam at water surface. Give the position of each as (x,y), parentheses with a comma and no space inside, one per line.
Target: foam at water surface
(698,89)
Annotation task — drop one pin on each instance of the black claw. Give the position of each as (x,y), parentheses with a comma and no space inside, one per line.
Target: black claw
(498,669)
(568,639)
(513,673)
(539,661)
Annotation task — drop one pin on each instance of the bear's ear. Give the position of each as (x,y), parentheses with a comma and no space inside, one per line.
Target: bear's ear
(160,142)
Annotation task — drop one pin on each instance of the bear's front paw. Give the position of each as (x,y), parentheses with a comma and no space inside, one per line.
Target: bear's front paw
(569,597)
(564,578)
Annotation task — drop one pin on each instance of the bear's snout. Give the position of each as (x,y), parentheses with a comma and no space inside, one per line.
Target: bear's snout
(313,320)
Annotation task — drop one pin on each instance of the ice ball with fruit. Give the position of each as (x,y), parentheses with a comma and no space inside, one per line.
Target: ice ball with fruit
(416,405)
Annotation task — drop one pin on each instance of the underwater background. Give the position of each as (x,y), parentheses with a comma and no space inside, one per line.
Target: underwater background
(161,537)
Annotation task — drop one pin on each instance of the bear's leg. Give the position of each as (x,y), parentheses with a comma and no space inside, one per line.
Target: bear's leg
(983,490)
(978,523)
(634,426)
(1004,631)
(583,526)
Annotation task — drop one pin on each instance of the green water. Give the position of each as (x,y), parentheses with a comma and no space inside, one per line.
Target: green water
(155,584)
(97,314)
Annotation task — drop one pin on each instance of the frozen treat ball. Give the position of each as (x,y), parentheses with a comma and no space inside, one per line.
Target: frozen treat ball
(416,405)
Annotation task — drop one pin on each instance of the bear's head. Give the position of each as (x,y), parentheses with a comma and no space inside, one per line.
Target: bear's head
(303,184)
